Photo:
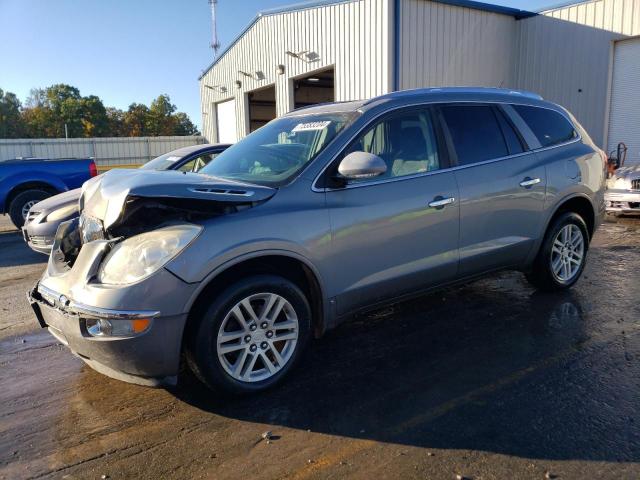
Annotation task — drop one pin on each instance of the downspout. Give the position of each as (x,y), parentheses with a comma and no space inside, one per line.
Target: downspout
(396,45)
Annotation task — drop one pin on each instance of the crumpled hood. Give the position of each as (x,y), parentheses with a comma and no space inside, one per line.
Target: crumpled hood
(104,196)
(58,201)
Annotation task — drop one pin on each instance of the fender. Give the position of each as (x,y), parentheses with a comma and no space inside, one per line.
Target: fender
(10,183)
(547,221)
(264,253)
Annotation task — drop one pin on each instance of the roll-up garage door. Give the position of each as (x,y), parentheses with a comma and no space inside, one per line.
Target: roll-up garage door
(624,114)
(226,121)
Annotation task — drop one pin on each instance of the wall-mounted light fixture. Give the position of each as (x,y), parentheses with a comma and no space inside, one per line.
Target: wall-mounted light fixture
(306,55)
(217,88)
(238,84)
(280,70)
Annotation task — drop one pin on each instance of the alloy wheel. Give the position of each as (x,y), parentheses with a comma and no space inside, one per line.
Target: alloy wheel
(257,337)
(27,206)
(567,253)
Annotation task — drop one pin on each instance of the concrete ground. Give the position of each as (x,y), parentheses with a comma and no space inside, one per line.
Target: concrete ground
(487,381)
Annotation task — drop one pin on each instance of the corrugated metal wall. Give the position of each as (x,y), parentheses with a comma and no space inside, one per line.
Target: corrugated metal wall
(106,151)
(620,16)
(565,55)
(446,45)
(624,120)
(354,36)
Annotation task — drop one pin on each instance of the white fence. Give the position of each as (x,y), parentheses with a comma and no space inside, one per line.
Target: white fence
(107,152)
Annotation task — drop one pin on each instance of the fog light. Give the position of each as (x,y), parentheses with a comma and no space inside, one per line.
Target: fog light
(117,328)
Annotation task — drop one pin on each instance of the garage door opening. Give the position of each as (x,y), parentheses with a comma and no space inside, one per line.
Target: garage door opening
(262,107)
(315,88)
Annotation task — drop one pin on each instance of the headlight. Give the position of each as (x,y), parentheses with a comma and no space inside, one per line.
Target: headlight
(138,257)
(62,213)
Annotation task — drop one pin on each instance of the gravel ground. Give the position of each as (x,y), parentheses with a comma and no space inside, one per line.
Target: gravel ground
(487,381)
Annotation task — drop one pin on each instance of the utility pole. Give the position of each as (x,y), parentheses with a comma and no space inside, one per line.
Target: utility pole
(215,44)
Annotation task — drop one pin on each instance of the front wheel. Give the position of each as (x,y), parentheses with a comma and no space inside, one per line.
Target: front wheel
(563,254)
(22,203)
(251,335)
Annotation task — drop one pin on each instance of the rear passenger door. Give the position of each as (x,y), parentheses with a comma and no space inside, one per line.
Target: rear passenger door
(501,183)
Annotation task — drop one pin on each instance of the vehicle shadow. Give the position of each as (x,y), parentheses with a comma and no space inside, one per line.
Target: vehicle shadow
(15,252)
(502,371)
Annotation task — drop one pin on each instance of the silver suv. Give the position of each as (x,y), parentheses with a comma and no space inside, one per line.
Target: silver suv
(325,212)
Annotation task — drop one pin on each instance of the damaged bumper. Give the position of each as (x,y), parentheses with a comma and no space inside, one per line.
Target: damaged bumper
(70,306)
(622,201)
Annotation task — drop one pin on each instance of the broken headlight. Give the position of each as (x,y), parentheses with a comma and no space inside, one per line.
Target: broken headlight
(90,228)
(138,257)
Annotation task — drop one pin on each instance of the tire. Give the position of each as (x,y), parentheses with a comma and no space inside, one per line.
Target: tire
(21,201)
(226,371)
(545,274)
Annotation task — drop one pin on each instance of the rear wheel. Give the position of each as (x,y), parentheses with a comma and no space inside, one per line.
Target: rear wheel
(251,336)
(563,254)
(20,205)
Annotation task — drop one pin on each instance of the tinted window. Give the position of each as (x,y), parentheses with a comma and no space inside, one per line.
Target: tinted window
(406,142)
(475,133)
(510,136)
(549,126)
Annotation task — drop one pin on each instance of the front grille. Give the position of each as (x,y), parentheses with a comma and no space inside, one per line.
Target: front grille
(635,184)
(41,240)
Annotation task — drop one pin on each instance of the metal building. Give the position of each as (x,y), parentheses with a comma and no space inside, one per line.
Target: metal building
(577,55)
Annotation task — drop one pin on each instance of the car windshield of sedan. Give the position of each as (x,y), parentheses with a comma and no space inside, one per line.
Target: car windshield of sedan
(275,153)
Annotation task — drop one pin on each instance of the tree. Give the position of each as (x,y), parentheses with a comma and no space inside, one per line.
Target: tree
(115,122)
(160,120)
(135,120)
(11,122)
(48,111)
(184,126)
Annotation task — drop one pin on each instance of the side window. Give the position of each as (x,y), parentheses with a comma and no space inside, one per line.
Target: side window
(549,126)
(514,144)
(195,164)
(405,141)
(475,132)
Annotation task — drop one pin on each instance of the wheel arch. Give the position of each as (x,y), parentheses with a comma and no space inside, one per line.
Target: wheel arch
(29,185)
(580,204)
(289,265)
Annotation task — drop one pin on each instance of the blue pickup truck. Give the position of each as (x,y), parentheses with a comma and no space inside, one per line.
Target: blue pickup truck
(24,182)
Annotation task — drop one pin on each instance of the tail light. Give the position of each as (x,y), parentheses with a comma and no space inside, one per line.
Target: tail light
(93,171)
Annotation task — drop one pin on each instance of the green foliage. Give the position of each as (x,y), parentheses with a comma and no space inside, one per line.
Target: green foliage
(11,123)
(48,110)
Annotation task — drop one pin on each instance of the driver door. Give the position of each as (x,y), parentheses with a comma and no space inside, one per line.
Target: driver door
(395,234)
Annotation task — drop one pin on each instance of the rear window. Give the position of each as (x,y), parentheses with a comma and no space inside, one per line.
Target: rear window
(475,132)
(550,127)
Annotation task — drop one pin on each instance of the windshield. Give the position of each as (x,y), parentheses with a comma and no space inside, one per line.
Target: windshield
(163,162)
(275,153)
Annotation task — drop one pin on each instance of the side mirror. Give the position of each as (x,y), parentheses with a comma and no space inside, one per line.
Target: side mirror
(358,165)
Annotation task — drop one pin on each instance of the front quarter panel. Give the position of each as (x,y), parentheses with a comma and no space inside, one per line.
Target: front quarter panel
(293,222)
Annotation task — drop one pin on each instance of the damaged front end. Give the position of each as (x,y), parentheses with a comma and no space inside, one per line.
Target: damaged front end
(121,204)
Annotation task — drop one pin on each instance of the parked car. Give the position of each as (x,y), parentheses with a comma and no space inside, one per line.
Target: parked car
(44,217)
(623,194)
(325,212)
(25,182)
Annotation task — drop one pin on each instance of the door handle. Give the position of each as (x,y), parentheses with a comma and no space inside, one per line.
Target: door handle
(529,182)
(440,202)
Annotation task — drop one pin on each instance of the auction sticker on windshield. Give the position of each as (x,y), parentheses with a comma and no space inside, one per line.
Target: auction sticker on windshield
(305,127)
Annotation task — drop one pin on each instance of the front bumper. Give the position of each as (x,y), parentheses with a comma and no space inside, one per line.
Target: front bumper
(65,298)
(151,358)
(622,201)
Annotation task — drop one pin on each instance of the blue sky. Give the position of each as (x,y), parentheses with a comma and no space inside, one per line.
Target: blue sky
(124,51)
